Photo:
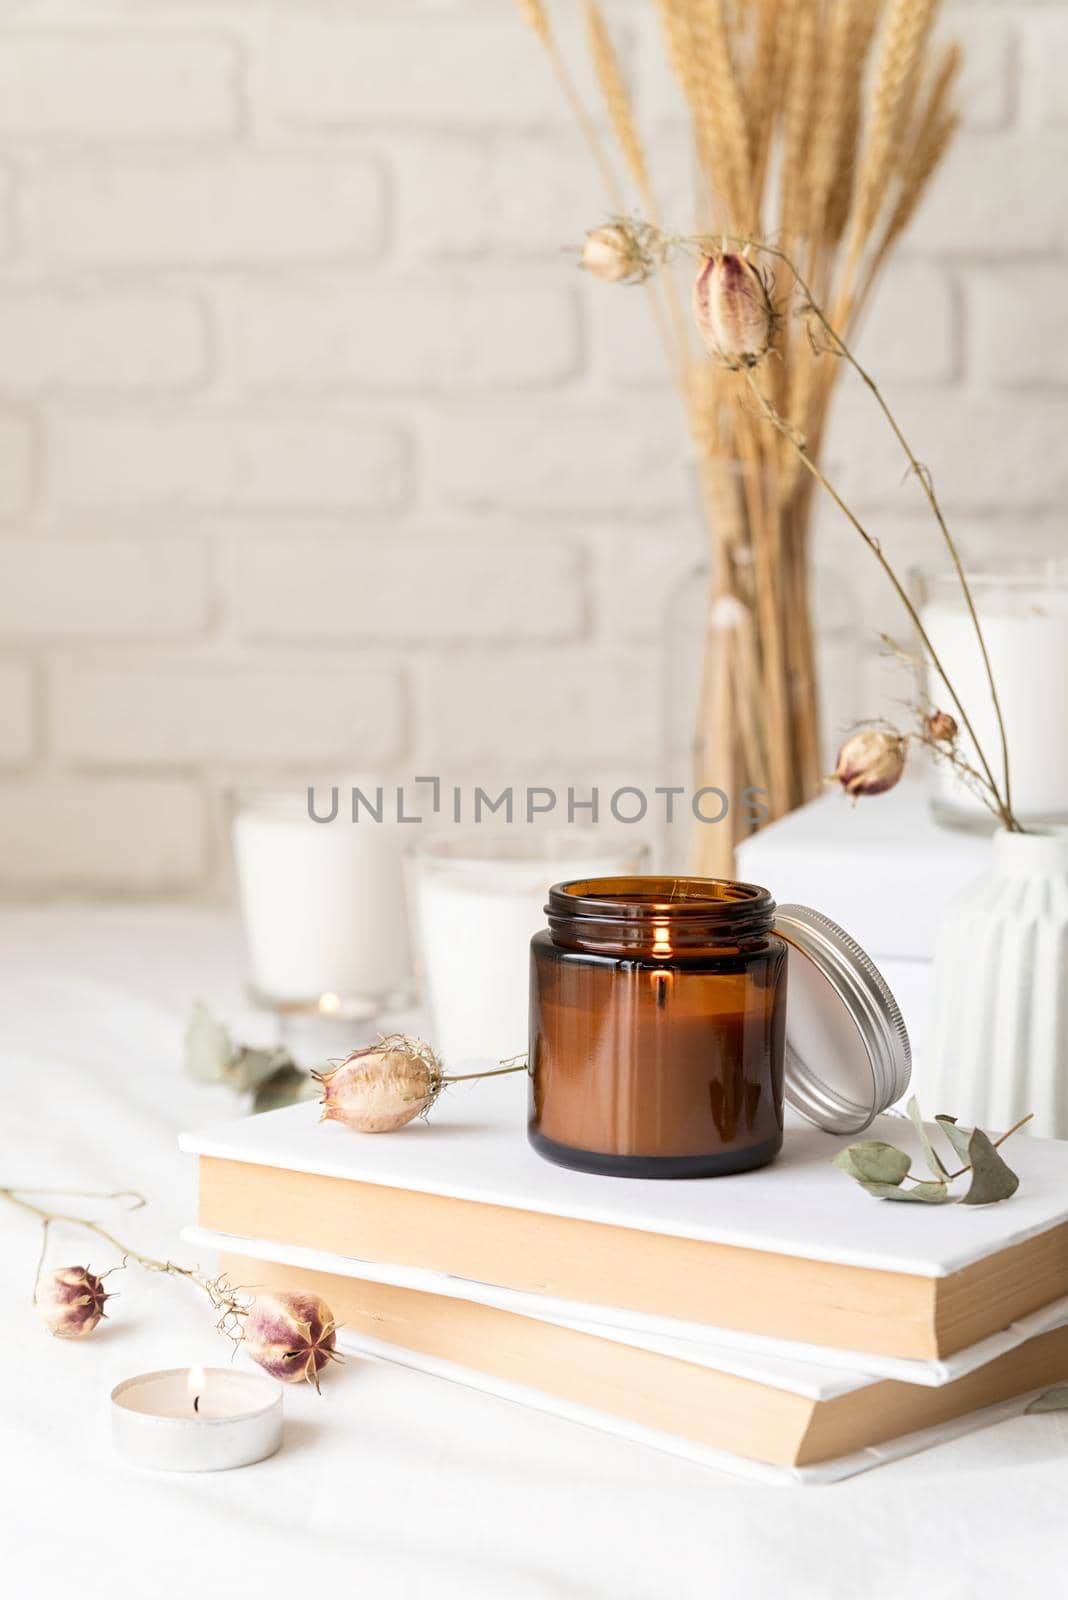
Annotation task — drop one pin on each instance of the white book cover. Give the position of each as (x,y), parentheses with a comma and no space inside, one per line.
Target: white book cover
(823,1472)
(474,1147)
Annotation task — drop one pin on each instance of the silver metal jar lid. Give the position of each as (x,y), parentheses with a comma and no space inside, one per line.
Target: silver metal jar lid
(847,1048)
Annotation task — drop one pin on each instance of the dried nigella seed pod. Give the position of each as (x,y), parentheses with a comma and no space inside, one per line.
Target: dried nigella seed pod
(379,1089)
(733,310)
(614,254)
(941,727)
(70,1301)
(291,1336)
(870,762)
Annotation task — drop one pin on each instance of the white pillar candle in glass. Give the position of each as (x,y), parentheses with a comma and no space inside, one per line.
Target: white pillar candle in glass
(322,902)
(1023,609)
(477,900)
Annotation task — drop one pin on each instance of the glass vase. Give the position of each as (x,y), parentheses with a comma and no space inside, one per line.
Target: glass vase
(754,667)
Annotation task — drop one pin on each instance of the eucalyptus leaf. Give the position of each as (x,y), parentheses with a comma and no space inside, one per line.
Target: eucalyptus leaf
(284,1088)
(872,1161)
(208,1046)
(1053,1400)
(932,1194)
(957,1135)
(931,1154)
(992,1178)
(250,1068)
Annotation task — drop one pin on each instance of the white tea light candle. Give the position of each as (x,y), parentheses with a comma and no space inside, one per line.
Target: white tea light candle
(1023,609)
(323,902)
(196,1419)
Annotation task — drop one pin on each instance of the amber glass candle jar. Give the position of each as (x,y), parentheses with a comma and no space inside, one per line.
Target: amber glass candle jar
(657,1024)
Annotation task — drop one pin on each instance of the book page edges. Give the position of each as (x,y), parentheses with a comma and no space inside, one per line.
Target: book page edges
(789,1297)
(696,1403)
(719,1410)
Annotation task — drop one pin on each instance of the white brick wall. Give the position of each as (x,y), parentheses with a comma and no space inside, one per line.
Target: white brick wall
(127,461)
(142,711)
(102,588)
(16,713)
(302,587)
(316,452)
(113,84)
(252,210)
(70,340)
(423,335)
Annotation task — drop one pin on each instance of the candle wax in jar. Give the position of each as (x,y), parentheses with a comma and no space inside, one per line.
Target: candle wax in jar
(639,1060)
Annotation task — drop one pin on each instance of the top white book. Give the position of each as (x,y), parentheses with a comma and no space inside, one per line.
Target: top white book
(474,1148)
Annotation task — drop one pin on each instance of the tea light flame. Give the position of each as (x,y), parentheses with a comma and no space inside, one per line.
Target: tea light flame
(195,1385)
(330,1003)
(661,939)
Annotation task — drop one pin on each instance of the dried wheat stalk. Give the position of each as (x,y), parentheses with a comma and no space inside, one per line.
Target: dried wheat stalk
(536,18)
(616,98)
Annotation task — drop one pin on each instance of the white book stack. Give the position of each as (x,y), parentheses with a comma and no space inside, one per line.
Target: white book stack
(781,1321)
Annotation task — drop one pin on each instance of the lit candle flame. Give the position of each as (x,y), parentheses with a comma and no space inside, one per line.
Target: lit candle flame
(195,1385)
(661,939)
(329,1003)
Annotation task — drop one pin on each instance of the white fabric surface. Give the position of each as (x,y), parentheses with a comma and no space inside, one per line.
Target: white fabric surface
(394,1483)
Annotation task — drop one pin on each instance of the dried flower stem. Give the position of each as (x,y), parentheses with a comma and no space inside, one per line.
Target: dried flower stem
(663,298)
(812,467)
(839,347)
(673,331)
(231,1305)
(495,1072)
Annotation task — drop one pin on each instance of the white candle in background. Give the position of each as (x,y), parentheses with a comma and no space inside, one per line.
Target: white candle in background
(477,901)
(1023,610)
(323,902)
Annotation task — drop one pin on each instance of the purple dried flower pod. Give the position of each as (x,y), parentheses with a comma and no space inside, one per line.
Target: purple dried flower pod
(870,762)
(382,1087)
(70,1301)
(291,1336)
(733,311)
(941,727)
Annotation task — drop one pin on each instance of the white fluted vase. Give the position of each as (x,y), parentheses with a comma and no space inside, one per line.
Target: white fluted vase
(998,1041)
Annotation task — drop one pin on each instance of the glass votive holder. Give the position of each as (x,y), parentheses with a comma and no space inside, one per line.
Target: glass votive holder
(657,1027)
(1022,607)
(322,902)
(477,899)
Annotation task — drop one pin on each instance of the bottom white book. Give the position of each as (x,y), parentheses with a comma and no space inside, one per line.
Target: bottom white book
(832,1470)
(739,1410)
